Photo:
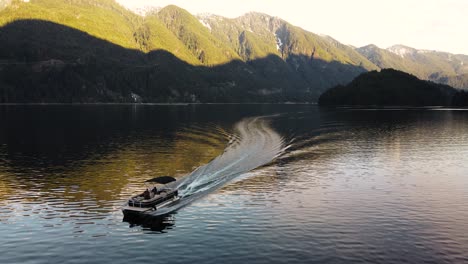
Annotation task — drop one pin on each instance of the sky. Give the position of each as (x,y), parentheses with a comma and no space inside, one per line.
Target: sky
(423,24)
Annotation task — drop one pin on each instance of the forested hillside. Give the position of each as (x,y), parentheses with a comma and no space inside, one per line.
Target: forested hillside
(98,51)
(393,88)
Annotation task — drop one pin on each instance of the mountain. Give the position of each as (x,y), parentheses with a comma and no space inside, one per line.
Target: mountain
(436,66)
(72,51)
(319,62)
(256,35)
(99,51)
(198,39)
(393,88)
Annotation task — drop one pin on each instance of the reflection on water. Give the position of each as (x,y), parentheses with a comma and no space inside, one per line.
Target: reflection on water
(354,185)
(158,224)
(86,183)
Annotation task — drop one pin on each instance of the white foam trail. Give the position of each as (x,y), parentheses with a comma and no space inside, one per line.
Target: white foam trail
(256,144)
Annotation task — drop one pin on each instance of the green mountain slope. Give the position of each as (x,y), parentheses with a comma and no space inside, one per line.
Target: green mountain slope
(96,17)
(249,44)
(158,57)
(197,38)
(256,35)
(152,34)
(316,62)
(102,19)
(43,61)
(97,50)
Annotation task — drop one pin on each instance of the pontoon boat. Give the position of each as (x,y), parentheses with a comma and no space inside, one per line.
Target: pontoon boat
(160,193)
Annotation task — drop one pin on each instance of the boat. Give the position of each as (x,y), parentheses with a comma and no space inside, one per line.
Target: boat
(160,193)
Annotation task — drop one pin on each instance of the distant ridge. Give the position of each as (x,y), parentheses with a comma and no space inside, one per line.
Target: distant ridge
(393,88)
(441,67)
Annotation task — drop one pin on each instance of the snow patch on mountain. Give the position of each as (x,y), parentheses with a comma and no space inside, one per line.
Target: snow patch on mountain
(401,51)
(205,24)
(404,51)
(279,42)
(208,19)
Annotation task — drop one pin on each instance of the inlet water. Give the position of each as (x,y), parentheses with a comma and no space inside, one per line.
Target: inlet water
(265,184)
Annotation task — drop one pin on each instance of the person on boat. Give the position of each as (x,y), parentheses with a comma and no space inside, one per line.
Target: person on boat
(155,190)
(146,195)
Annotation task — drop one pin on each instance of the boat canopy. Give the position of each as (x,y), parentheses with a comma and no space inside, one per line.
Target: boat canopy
(162,180)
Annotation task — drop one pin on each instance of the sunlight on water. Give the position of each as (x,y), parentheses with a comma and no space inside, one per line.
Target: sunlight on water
(301,185)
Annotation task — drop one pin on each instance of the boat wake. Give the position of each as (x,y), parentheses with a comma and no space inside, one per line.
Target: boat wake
(253,144)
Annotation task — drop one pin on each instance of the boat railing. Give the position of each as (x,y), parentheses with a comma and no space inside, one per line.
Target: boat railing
(149,203)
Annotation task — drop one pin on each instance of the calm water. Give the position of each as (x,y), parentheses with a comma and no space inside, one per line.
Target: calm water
(347,185)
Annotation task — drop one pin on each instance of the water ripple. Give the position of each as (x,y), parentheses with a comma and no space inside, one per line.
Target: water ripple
(346,186)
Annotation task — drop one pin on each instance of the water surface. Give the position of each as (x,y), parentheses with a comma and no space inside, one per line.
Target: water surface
(347,185)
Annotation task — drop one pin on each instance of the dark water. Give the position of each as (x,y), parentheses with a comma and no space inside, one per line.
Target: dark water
(377,186)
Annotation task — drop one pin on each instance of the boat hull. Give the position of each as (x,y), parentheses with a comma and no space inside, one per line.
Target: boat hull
(130,209)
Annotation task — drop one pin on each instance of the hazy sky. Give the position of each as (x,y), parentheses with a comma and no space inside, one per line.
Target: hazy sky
(423,24)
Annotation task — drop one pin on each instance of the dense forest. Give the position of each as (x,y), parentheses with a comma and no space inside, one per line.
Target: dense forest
(393,88)
(97,51)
